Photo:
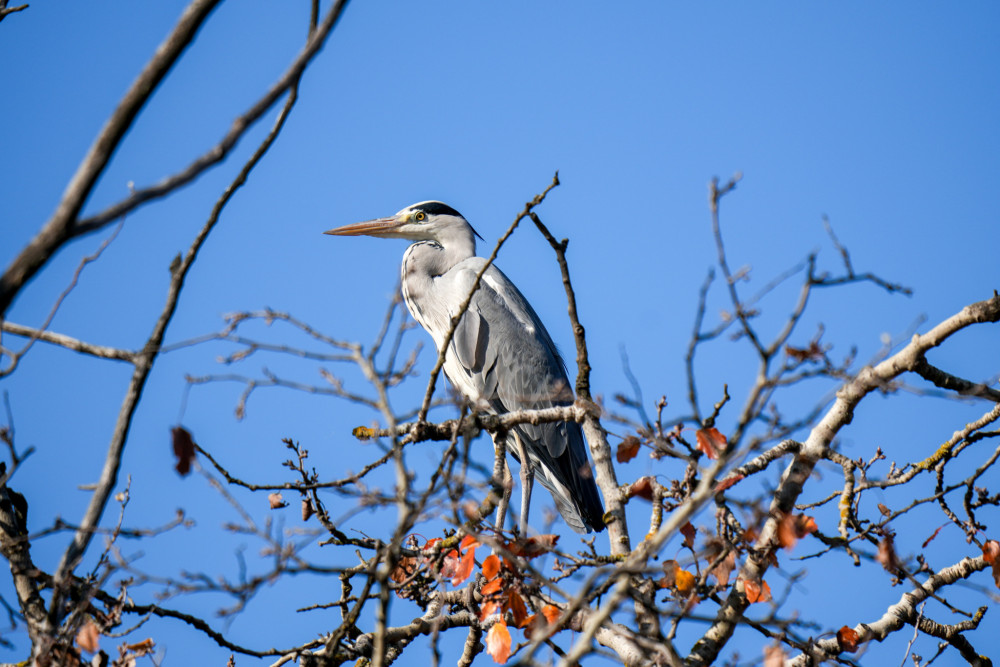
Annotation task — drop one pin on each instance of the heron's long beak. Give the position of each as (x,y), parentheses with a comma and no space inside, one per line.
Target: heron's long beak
(377,227)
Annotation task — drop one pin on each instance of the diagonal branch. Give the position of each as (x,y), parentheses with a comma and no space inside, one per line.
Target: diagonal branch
(143,366)
(59,228)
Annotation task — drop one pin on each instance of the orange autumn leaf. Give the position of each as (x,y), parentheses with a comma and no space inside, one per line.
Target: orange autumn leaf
(491,587)
(518,609)
(711,442)
(498,642)
(464,569)
(551,613)
(793,527)
(468,542)
(491,566)
(757,592)
(628,449)
(684,581)
(87,638)
(141,648)
(488,609)
(847,639)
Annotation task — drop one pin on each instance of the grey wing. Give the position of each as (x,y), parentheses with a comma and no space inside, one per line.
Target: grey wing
(510,359)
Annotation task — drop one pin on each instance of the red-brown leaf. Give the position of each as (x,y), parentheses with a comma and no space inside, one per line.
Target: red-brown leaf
(847,639)
(711,442)
(465,566)
(533,546)
(725,568)
(991,555)
(275,501)
(498,642)
(405,568)
(183,449)
(933,535)
(812,353)
(728,482)
(689,532)
(518,610)
(628,449)
(642,488)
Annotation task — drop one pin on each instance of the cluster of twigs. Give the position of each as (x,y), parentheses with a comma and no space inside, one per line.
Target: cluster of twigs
(607,595)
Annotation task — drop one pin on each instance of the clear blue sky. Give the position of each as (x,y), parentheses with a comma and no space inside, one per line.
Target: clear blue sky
(883,118)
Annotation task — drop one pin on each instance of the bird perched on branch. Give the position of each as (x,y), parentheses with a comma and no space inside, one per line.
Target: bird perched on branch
(500,355)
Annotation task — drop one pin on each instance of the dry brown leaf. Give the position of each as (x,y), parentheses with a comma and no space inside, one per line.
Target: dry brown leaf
(183,449)
(724,569)
(711,442)
(532,547)
(689,532)
(642,488)
(88,637)
(628,449)
(275,501)
(886,555)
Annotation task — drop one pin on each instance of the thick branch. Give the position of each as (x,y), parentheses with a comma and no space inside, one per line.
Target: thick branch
(902,613)
(841,414)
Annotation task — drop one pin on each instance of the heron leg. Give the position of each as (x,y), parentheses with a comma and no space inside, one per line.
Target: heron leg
(501,470)
(527,480)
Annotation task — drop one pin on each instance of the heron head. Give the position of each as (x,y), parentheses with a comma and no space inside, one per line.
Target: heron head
(424,221)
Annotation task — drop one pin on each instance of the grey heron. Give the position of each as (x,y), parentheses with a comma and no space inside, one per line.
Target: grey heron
(500,357)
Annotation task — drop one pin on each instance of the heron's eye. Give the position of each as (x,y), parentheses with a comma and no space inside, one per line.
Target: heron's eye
(419,216)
